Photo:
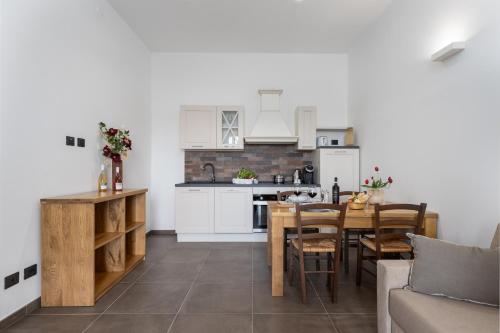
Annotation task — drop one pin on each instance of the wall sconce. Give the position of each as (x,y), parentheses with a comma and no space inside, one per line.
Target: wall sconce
(448,51)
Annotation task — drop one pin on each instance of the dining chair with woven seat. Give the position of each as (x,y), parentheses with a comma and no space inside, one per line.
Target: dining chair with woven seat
(289,232)
(349,241)
(325,245)
(390,235)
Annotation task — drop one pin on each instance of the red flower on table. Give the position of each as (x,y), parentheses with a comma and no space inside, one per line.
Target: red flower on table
(367,182)
(376,168)
(389,180)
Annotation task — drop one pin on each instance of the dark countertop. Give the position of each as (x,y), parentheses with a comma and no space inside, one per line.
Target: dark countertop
(228,184)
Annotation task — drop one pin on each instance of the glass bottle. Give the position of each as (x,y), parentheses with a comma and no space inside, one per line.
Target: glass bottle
(335,192)
(102,181)
(118,180)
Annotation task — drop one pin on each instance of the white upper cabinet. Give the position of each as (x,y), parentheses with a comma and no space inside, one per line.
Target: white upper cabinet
(198,127)
(305,127)
(194,210)
(233,210)
(230,127)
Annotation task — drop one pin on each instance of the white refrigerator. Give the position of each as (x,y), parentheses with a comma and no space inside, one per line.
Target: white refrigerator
(342,163)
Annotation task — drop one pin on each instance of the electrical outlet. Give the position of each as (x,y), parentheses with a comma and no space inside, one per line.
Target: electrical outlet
(11,280)
(70,140)
(80,142)
(30,271)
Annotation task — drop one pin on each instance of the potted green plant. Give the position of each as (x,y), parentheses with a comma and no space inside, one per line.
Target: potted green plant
(245,176)
(375,186)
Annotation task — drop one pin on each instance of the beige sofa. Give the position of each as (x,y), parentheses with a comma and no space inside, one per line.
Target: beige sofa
(404,311)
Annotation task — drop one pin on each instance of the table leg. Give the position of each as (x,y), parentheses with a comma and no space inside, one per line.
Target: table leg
(346,251)
(277,256)
(269,240)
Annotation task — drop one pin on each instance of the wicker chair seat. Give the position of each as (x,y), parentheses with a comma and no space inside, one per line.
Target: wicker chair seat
(316,245)
(386,246)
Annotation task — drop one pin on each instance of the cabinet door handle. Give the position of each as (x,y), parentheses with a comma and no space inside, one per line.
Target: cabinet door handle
(337,152)
(307,147)
(197,146)
(194,190)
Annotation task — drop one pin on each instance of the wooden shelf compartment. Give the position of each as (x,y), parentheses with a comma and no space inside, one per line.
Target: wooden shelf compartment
(104,238)
(135,242)
(109,261)
(130,226)
(135,209)
(131,261)
(98,248)
(105,281)
(109,221)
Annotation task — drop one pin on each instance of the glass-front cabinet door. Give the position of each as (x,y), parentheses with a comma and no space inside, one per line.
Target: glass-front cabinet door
(230,127)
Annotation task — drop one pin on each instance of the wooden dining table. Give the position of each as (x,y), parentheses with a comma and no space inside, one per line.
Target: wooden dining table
(282,215)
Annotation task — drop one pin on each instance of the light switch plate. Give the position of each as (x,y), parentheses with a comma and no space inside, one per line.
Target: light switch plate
(70,140)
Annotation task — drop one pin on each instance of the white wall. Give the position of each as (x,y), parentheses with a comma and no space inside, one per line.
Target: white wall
(66,65)
(433,126)
(233,79)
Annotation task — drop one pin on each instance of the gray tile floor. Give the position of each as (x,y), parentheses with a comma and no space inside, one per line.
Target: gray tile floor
(212,287)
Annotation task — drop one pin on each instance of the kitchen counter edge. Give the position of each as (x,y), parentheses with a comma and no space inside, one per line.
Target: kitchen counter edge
(242,185)
(337,147)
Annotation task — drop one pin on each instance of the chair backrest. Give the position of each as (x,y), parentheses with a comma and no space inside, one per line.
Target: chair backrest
(333,223)
(282,196)
(388,227)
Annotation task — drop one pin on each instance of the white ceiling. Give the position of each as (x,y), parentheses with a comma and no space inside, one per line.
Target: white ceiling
(248,25)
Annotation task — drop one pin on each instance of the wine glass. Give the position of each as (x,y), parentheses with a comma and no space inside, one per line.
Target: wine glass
(297,191)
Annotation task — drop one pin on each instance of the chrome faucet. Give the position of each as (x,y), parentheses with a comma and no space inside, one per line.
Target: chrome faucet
(204,167)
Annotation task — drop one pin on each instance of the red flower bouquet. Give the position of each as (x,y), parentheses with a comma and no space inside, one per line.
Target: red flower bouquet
(376,181)
(118,143)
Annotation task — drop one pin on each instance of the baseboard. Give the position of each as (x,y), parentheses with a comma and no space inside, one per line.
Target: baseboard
(160,232)
(252,237)
(19,314)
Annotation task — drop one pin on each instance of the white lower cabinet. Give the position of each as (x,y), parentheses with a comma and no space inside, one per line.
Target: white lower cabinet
(233,210)
(194,210)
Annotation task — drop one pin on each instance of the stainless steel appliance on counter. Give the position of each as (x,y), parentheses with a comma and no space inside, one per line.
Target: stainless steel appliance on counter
(308,174)
(278,179)
(297,177)
(260,210)
(322,141)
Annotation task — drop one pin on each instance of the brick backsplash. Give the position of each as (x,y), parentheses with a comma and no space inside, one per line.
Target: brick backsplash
(265,160)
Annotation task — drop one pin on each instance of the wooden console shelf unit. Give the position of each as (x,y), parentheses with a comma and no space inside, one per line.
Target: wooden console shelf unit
(90,241)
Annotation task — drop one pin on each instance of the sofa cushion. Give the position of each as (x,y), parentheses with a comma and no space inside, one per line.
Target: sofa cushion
(416,313)
(445,269)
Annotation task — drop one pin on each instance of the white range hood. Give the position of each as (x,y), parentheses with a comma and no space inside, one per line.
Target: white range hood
(270,127)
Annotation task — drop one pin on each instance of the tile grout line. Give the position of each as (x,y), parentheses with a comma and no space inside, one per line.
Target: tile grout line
(324,307)
(189,290)
(121,294)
